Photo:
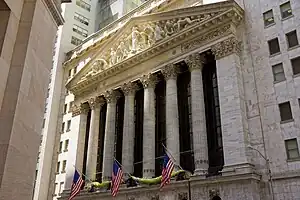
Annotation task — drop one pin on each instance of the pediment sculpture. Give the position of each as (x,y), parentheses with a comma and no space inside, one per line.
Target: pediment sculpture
(139,38)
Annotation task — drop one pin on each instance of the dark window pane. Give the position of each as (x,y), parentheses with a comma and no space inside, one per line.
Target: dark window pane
(296,65)
(285,111)
(274,46)
(292,39)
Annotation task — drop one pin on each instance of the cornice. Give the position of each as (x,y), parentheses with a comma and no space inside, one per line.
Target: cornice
(55,12)
(205,32)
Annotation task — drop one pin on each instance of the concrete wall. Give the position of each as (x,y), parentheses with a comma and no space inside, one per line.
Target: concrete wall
(25,64)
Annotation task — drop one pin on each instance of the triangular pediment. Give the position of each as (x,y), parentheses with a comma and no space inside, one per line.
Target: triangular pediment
(145,32)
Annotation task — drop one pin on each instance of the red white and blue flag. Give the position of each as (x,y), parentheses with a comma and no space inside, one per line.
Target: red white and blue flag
(167,170)
(76,185)
(117,175)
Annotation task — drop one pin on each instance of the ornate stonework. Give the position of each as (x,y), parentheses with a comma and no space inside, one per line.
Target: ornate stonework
(226,47)
(194,61)
(149,80)
(79,109)
(170,71)
(183,196)
(205,38)
(111,96)
(146,37)
(95,101)
(129,88)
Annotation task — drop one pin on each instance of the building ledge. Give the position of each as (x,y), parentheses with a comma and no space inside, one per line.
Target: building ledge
(55,11)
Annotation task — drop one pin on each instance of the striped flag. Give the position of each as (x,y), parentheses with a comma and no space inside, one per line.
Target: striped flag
(167,170)
(76,186)
(117,175)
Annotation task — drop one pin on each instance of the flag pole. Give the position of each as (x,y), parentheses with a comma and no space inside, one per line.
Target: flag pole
(123,167)
(83,174)
(171,155)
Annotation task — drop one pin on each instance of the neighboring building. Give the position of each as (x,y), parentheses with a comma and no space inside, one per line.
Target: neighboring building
(27,33)
(80,21)
(217,84)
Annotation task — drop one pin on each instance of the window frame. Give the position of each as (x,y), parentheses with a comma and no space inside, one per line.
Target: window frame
(293,60)
(79,30)
(275,73)
(288,150)
(66,146)
(282,112)
(290,10)
(269,44)
(75,41)
(68,125)
(266,20)
(82,19)
(287,36)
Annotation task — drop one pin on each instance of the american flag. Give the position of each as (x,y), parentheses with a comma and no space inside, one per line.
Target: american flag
(76,186)
(117,175)
(167,170)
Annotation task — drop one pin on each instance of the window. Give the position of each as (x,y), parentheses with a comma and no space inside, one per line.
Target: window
(285,111)
(57,167)
(70,73)
(83,5)
(292,150)
(75,41)
(296,65)
(274,46)
(63,127)
(80,31)
(292,39)
(65,108)
(81,19)
(43,125)
(70,106)
(64,164)
(61,187)
(69,125)
(56,189)
(60,147)
(268,18)
(66,145)
(286,10)
(75,70)
(48,92)
(278,72)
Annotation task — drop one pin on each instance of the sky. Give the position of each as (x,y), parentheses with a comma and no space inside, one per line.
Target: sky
(211,1)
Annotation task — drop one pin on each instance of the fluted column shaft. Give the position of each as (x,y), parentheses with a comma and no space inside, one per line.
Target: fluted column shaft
(200,145)
(149,83)
(109,138)
(172,119)
(92,152)
(128,128)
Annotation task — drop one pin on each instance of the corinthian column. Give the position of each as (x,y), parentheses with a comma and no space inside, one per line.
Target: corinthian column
(198,115)
(128,129)
(95,105)
(149,83)
(172,121)
(109,138)
(77,141)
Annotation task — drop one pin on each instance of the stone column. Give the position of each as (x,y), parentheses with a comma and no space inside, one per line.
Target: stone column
(91,163)
(109,138)
(232,103)
(200,145)
(149,82)
(77,142)
(172,119)
(129,127)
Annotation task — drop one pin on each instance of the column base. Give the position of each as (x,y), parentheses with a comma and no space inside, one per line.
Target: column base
(237,169)
(200,173)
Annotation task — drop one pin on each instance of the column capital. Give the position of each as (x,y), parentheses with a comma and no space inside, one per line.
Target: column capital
(194,61)
(170,71)
(79,109)
(95,102)
(226,47)
(129,88)
(112,96)
(149,81)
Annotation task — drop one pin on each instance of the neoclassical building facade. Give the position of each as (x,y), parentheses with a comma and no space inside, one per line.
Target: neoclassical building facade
(176,75)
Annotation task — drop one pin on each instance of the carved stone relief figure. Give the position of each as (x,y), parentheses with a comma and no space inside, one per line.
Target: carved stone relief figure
(158,32)
(113,57)
(169,29)
(135,34)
